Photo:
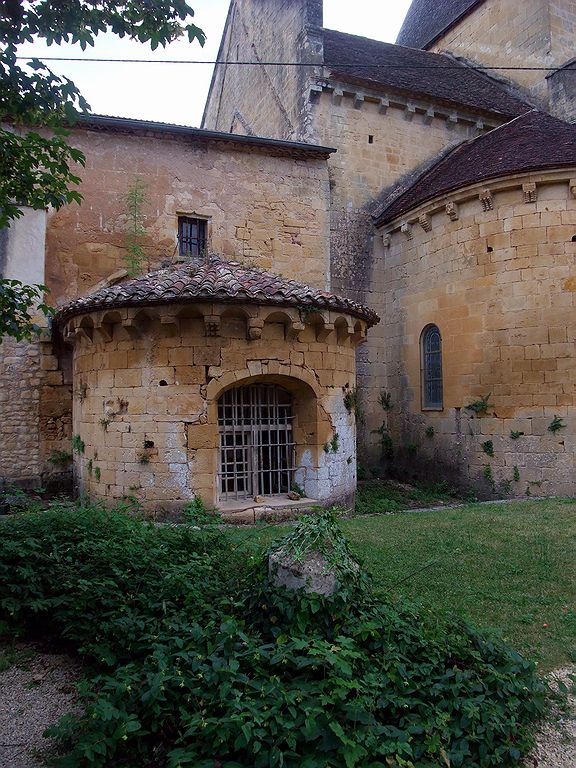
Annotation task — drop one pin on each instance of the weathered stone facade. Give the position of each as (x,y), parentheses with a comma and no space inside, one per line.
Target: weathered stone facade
(499,282)
(265,205)
(390,119)
(148,382)
(504,33)
(488,259)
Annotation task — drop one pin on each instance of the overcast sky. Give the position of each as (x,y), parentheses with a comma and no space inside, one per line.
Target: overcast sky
(175,93)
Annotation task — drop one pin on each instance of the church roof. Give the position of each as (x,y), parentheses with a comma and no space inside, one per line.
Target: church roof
(426,20)
(419,73)
(130,125)
(535,141)
(214,279)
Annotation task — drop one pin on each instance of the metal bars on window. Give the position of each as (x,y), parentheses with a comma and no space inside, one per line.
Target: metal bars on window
(191,236)
(432,395)
(257,451)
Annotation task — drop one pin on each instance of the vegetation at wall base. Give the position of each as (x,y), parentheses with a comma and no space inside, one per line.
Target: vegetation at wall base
(199,661)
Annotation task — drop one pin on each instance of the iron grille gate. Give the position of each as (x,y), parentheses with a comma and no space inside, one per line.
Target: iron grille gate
(257,451)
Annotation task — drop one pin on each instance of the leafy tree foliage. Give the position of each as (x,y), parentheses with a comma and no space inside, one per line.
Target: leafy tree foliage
(16,305)
(36,167)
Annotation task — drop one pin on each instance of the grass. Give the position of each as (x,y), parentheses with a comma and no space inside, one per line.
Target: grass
(508,567)
(386,496)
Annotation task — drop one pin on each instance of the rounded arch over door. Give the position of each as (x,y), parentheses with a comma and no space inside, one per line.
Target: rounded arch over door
(257,450)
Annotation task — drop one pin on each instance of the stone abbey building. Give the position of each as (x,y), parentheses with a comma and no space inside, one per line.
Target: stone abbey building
(404,182)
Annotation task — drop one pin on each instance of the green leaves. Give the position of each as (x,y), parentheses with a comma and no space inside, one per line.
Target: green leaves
(19,305)
(37,170)
(189,676)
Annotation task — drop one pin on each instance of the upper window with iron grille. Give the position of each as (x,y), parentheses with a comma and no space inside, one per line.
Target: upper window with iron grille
(431,369)
(192,236)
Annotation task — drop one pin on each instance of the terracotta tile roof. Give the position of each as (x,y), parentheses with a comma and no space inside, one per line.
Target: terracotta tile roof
(418,73)
(428,19)
(533,142)
(212,280)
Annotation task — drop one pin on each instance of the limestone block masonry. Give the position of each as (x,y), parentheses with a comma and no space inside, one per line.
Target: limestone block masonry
(499,281)
(147,384)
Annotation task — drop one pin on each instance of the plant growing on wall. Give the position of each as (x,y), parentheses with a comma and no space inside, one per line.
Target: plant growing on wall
(352,403)
(385,400)
(488,475)
(556,424)
(488,447)
(135,199)
(60,458)
(480,406)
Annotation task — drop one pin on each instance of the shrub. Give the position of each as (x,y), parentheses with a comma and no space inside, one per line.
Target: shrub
(104,581)
(189,677)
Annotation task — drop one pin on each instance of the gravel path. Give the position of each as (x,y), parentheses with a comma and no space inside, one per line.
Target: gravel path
(37,693)
(33,695)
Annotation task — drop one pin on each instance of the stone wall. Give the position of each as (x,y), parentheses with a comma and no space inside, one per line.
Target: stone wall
(146,389)
(500,284)
(381,144)
(264,100)
(264,210)
(533,33)
(35,412)
(35,405)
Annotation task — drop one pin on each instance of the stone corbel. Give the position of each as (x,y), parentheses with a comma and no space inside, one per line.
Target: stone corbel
(68,334)
(452,211)
(572,187)
(453,118)
(358,100)
(337,95)
(360,335)
(325,331)
(429,115)
(212,325)
(131,328)
(530,192)
(386,240)
(82,334)
(255,326)
(486,199)
(294,329)
(106,331)
(425,222)
(406,230)
(171,322)
(130,324)
(315,92)
(409,111)
(383,105)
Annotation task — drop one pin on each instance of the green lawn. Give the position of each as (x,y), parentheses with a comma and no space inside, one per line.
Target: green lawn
(509,566)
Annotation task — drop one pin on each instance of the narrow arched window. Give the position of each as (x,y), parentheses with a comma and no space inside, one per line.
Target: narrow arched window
(431,368)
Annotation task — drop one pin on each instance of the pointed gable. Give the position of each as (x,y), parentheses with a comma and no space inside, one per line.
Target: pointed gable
(427,20)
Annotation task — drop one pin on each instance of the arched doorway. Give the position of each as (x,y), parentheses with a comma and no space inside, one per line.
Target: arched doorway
(256,437)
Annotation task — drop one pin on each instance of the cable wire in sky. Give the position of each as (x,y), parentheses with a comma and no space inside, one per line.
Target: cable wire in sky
(333,65)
